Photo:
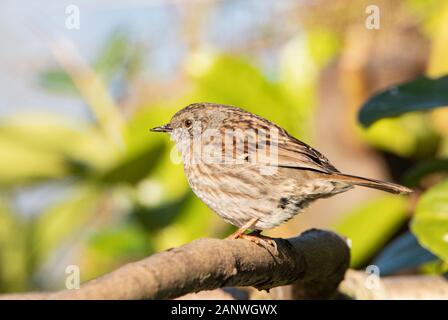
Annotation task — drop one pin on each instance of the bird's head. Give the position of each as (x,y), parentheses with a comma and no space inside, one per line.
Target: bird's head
(194,119)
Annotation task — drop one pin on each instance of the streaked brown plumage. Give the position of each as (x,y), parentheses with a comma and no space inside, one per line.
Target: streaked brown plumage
(244,188)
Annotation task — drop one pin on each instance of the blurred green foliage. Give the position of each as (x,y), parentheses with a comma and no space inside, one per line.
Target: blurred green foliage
(410,135)
(421,94)
(125,195)
(125,202)
(118,57)
(403,254)
(400,120)
(430,222)
(371,225)
(423,169)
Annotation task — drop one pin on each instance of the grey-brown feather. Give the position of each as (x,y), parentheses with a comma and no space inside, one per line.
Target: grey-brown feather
(238,192)
(245,193)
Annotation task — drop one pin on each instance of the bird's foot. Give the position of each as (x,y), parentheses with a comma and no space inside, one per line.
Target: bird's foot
(261,240)
(254,236)
(238,233)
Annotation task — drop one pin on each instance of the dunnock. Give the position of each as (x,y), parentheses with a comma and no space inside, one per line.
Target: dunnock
(250,171)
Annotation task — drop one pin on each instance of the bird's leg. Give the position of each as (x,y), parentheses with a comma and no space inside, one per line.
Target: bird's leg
(256,237)
(238,233)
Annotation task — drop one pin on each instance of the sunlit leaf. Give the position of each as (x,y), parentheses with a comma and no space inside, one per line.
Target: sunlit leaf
(112,246)
(20,164)
(236,81)
(42,130)
(13,252)
(323,46)
(138,136)
(298,70)
(428,13)
(298,74)
(371,225)
(133,168)
(157,217)
(64,219)
(126,238)
(430,223)
(408,135)
(443,148)
(37,147)
(437,62)
(194,221)
(435,267)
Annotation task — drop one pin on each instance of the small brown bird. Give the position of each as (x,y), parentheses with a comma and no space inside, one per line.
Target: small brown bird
(250,171)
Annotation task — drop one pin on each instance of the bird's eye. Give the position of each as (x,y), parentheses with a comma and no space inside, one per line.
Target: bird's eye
(188,123)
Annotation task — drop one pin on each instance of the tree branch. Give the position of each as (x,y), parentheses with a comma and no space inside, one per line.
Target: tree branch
(315,262)
(357,285)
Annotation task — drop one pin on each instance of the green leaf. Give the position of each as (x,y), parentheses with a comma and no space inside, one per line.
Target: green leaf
(113,246)
(371,225)
(62,220)
(410,135)
(124,239)
(195,220)
(22,165)
(116,54)
(57,81)
(418,95)
(430,223)
(401,254)
(113,55)
(236,81)
(138,136)
(323,45)
(33,147)
(413,177)
(14,271)
(135,167)
(161,216)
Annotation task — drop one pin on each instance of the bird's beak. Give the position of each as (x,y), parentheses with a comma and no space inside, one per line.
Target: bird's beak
(165,128)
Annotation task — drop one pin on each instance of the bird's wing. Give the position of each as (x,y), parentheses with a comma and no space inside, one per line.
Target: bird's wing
(294,153)
(284,151)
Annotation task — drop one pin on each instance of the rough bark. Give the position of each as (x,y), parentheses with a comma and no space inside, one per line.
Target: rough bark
(315,262)
(359,285)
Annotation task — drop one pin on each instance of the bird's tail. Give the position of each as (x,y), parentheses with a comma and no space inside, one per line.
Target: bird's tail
(371,183)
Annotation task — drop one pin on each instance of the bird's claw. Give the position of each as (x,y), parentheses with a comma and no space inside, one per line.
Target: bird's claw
(261,240)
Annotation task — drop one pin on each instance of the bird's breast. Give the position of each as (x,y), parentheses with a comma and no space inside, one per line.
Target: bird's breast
(239,193)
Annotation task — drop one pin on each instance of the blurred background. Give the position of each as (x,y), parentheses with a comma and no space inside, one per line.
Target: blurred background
(83,181)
